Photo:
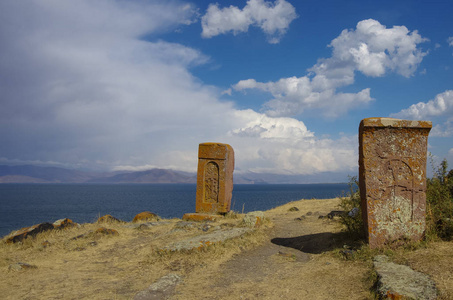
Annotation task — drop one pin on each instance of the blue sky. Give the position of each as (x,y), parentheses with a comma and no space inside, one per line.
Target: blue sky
(133,85)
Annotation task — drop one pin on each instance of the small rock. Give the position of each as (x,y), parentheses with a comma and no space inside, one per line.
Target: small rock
(293,209)
(21,266)
(143,227)
(301,218)
(161,289)
(253,219)
(287,255)
(145,216)
(206,227)
(348,254)
(335,213)
(106,231)
(64,223)
(353,212)
(184,226)
(309,213)
(108,219)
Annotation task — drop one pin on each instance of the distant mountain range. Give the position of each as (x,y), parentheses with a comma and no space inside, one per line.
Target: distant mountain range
(37,174)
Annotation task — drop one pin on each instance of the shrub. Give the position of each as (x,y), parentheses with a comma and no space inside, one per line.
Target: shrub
(352,219)
(439,200)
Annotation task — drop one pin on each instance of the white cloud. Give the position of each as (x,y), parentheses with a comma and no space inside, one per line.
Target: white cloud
(442,130)
(262,126)
(450,41)
(272,18)
(371,49)
(441,105)
(80,88)
(440,109)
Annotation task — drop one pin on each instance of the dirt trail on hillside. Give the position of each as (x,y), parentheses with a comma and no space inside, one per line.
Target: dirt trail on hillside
(292,263)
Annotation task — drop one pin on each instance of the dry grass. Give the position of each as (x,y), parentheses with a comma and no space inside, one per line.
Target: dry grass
(436,260)
(117,267)
(323,276)
(104,267)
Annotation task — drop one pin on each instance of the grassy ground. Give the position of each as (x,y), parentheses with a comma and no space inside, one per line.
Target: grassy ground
(265,264)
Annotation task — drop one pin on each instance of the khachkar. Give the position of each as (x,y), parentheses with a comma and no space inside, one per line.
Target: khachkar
(214,181)
(392,176)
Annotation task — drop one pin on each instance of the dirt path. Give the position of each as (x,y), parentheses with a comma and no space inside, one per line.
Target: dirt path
(291,263)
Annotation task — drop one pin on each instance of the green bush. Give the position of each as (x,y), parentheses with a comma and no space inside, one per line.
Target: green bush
(352,219)
(439,201)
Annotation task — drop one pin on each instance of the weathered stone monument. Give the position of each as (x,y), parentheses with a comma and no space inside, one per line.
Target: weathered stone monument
(392,178)
(214,180)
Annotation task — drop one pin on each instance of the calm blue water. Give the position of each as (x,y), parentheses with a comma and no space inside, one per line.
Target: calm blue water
(24,205)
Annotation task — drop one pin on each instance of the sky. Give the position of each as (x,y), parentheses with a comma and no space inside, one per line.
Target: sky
(111,85)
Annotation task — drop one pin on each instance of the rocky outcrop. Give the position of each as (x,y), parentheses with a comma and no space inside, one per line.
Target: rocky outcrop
(63,223)
(21,234)
(161,289)
(145,216)
(401,282)
(105,231)
(253,219)
(108,219)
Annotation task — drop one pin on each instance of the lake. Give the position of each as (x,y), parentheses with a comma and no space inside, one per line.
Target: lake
(24,205)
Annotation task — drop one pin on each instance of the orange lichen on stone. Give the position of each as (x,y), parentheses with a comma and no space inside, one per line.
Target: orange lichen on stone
(106,231)
(145,216)
(108,219)
(204,244)
(392,176)
(214,178)
(199,217)
(64,223)
(394,296)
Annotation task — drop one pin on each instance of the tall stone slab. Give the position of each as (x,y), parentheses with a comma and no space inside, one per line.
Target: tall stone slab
(392,178)
(214,178)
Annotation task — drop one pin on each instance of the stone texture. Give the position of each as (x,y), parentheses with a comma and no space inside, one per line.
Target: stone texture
(147,224)
(401,282)
(392,176)
(106,231)
(108,219)
(200,242)
(64,223)
(214,178)
(199,217)
(21,234)
(145,216)
(253,218)
(21,266)
(163,288)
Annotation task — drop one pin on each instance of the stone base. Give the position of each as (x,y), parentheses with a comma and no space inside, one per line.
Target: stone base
(200,217)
